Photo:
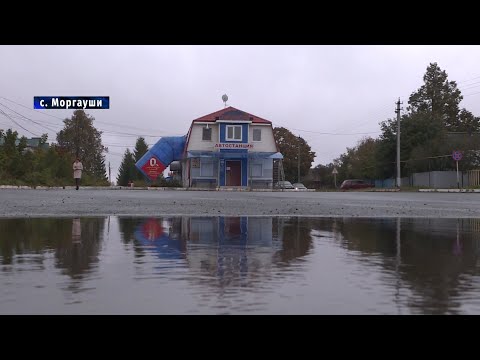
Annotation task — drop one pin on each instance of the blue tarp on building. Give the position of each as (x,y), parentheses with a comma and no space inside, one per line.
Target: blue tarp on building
(166,150)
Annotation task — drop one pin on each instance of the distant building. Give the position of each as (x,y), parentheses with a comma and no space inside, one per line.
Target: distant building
(230,148)
(32,144)
(227,148)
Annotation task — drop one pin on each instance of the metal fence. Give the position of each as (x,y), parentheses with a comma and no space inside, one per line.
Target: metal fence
(435,180)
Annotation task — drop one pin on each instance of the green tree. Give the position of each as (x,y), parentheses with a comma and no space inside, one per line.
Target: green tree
(126,172)
(81,139)
(363,159)
(288,144)
(12,148)
(20,165)
(141,148)
(321,176)
(438,99)
(98,170)
(433,113)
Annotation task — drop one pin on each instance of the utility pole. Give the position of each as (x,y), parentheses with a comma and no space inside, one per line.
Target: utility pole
(298,162)
(109,174)
(399,179)
(77,147)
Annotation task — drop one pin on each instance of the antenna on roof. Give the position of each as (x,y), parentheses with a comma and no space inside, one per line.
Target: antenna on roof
(225,99)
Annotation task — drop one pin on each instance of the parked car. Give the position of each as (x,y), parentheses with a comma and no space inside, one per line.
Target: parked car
(355,184)
(284,185)
(299,187)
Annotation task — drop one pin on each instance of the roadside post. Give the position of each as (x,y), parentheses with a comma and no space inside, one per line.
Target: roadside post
(335,172)
(457,156)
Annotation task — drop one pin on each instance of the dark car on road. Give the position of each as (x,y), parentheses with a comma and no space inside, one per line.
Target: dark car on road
(284,185)
(355,184)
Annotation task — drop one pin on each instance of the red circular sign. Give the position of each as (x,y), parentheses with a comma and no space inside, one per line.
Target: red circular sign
(457,155)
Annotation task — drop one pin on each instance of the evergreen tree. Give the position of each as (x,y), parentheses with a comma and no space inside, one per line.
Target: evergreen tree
(126,171)
(141,148)
(98,169)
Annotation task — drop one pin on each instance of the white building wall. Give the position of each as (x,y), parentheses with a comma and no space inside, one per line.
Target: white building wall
(196,143)
(266,145)
(268,141)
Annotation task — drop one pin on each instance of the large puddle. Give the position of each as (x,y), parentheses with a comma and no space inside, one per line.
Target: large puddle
(239,265)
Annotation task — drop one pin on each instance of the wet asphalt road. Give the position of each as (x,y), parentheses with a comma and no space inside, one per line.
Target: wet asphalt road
(89,202)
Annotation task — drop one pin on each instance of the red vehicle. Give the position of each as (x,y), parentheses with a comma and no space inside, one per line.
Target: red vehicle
(355,184)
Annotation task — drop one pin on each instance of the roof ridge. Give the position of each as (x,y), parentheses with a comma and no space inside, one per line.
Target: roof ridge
(212,116)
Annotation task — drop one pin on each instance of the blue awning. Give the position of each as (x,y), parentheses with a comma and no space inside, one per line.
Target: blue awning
(233,155)
(276,155)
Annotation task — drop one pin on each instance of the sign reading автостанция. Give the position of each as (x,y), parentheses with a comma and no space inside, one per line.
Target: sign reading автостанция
(233,146)
(71,102)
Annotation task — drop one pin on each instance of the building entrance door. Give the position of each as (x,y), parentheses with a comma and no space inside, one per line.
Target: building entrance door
(233,170)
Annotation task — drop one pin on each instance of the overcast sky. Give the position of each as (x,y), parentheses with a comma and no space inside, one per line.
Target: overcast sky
(159,90)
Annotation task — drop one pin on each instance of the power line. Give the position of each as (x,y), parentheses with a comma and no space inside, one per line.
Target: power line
(46,122)
(477,77)
(99,121)
(371,115)
(326,133)
(26,107)
(470,86)
(16,123)
(24,117)
(472,94)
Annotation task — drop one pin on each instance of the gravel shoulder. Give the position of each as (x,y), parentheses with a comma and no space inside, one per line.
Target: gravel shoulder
(89,202)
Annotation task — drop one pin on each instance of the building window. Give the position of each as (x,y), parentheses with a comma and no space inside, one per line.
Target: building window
(195,162)
(207,134)
(234,132)
(257,134)
(256,170)
(206,168)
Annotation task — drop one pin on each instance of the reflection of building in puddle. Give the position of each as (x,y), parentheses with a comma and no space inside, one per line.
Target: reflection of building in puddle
(230,248)
(161,236)
(226,250)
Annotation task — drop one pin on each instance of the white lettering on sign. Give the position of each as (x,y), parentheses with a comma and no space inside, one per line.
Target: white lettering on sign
(233,146)
(153,168)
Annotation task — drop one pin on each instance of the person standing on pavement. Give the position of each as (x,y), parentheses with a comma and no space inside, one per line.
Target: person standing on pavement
(77,171)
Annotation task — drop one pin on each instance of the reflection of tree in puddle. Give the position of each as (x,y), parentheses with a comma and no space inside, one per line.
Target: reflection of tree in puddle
(430,257)
(77,254)
(76,231)
(74,242)
(295,234)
